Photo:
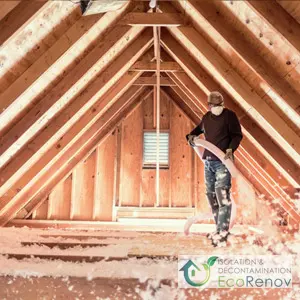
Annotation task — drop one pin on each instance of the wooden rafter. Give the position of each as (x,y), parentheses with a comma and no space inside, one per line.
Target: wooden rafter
(268,75)
(168,66)
(62,94)
(285,137)
(151,81)
(220,69)
(200,76)
(195,95)
(7,7)
(276,16)
(18,17)
(14,60)
(149,19)
(186,105)
(18,175)
(254,174)
(189,98)
(72,46)
(72,157)
(178,95)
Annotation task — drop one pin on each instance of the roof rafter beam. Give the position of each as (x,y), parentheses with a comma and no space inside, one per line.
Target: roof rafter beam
(167,66)
(51,20)
(62,94)
(50,143)
(186,105)
(18,17)
(150,19)
(272,81)
(35,80)
(7,6)
(202,83)
(277,17)
(70,158)
(151,81)
(260,181)
(190,100)
(285,137)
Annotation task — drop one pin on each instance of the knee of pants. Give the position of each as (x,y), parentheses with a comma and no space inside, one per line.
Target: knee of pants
(210,188)
(223,196)
(223,179)
(212,199)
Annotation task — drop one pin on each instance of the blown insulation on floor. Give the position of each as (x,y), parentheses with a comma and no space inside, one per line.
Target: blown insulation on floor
(128,265)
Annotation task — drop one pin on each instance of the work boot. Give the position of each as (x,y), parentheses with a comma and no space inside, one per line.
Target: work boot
(212,234)
(220,240)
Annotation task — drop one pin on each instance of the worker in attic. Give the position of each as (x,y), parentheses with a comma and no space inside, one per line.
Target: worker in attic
(220,127)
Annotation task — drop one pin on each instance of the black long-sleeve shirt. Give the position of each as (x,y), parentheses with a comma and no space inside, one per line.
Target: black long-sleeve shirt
(224,131)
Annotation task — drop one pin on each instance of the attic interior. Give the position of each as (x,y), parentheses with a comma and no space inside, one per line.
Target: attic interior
(97,177)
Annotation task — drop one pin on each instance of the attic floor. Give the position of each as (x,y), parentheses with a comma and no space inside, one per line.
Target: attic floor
(48,288)
(74,264)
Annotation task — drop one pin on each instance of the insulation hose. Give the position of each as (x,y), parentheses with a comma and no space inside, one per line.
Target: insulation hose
(200,144)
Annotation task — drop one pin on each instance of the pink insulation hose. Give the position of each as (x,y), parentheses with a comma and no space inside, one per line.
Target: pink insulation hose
(200,145)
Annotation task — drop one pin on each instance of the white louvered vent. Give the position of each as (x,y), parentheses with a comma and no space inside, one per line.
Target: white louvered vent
(149,152)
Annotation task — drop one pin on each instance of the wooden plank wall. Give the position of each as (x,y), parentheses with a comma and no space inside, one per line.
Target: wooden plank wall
(180,159)
(88,193)
(105,174)
(147,191)
(131,158)
(83,189)
(60,200)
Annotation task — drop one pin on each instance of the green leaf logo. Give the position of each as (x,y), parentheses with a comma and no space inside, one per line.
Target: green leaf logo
(206,267)
(211,261)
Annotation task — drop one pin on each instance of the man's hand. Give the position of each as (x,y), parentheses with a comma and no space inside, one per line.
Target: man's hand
(191,139)
(229,154)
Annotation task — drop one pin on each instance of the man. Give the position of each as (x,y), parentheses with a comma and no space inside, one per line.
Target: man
(221,127)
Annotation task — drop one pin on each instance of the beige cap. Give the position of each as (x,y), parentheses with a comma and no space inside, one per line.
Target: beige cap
(215,98)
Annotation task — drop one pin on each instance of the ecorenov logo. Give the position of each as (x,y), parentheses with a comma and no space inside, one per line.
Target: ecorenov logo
(190,269)
(235,271)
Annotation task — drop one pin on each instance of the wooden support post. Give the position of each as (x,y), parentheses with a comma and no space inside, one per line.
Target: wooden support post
(154,106)
(117,201)
(157,113)
(104,179)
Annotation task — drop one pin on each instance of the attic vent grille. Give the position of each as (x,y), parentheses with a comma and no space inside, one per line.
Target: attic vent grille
(149,151)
